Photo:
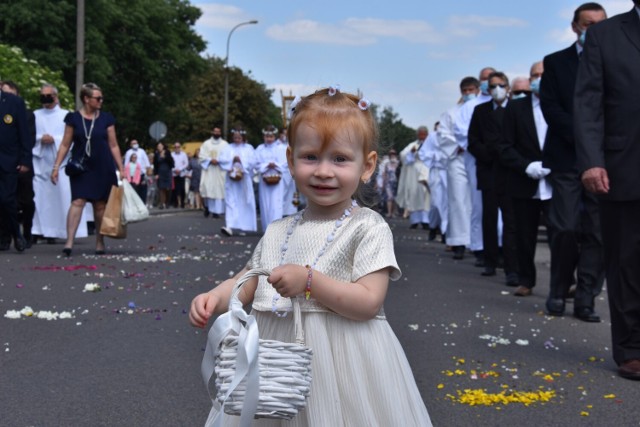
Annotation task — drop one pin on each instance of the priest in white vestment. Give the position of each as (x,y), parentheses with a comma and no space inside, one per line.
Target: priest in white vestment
(270,162)
(52,201)
(213,176)
(412,195)
(291,201)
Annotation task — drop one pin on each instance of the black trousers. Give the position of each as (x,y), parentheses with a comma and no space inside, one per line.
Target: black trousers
(178,196)
(574,216)
(492,201)
(528,213)
(9,205)
(621,239)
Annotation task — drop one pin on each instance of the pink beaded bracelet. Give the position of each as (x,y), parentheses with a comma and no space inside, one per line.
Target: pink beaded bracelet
(307,291)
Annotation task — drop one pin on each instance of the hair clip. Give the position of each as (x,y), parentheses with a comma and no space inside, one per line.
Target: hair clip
(364,104)
(292,106)
(272,131)
(333,90)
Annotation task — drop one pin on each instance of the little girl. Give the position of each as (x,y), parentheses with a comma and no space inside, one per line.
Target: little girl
(336,258)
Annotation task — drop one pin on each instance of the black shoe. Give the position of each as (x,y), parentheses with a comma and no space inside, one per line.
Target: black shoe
(432,234)
(67,252)
(586,314)
(555,307)
(5,245)
(100,252)
(425,226)
(206,212)
(488,271)
(51,241)
(413,226)
(444,238)
(458,252)
(215,216)
(513,279)
(20,244)
(479,261)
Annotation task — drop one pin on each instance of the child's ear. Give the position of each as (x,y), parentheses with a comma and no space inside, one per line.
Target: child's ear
(290,158)
(370,163)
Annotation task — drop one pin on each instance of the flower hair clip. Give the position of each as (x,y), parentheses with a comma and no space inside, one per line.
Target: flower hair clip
(292,106)
(364,104)
(333,90)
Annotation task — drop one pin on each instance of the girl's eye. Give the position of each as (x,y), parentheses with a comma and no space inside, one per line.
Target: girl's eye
(340,159)
(310,157)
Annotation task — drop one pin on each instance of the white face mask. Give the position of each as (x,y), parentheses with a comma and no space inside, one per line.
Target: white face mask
(498,93)
(135,146)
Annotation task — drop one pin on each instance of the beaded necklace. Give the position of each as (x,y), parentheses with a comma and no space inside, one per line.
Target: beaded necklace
(285,246)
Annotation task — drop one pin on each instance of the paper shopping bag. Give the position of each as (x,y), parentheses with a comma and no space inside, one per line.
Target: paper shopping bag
(112,224)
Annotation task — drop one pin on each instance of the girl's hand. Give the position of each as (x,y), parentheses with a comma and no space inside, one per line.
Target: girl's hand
(54,176)
(202,307)
(289,280)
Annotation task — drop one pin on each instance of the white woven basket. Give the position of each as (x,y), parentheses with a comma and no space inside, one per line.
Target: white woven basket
(255,377)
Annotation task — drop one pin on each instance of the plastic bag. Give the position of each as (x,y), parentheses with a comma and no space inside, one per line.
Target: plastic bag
(133,208)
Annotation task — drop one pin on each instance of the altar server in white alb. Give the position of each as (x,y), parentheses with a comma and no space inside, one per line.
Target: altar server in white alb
(290,201)
(270,162)
(213,176)
(238,160)
(52,201)
(412,195)
(436,162)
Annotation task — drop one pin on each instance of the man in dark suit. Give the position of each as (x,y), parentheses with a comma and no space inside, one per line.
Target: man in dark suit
(524,130)
(491,179)
(15,158)
(607,132)
(573,213)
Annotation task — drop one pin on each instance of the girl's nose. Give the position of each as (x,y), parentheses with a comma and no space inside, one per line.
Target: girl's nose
(324,169)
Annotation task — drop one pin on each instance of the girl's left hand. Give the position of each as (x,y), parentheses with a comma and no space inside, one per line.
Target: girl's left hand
(289,280)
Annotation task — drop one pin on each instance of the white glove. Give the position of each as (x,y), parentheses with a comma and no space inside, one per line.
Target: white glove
(536,171)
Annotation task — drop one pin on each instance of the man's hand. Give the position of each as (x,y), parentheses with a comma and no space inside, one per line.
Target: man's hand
(47,139)
(596,180)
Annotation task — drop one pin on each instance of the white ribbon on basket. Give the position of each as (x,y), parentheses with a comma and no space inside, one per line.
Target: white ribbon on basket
(244,325)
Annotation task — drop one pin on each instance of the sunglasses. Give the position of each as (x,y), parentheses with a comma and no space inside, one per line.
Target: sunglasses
(520,92)
(495,86)
(98,98)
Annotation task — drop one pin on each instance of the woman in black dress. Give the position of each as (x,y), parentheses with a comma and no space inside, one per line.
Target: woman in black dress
(163,167)
(95,128)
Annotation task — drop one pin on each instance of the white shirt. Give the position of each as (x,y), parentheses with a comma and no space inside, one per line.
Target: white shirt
(180,163)
(544,188)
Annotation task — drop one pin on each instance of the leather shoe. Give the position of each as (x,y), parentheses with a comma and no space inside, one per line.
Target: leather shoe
(586,314)
(488,271)
(432,234)
(458,252)
(413,226)
(630,369)
(20,244)
(555,307)
(513,280)
(523,291)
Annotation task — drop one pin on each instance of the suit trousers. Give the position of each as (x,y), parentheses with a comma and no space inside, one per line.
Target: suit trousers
(528,213)
(492,201)
(621,240)
(574,216)
(9,204)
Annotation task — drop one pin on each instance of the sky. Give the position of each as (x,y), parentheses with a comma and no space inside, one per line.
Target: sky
(409,55)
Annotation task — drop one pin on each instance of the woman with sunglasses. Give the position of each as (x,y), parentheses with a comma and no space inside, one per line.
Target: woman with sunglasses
(93,135)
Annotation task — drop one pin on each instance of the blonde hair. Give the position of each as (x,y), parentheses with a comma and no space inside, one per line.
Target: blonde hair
(87,90)
(329,114)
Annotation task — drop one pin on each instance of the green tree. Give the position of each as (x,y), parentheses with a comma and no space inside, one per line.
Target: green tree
(250,105)
(30,76)
(393,133)
(141,53)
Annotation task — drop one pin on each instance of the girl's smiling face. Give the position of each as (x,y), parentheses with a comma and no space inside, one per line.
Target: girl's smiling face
(329,174)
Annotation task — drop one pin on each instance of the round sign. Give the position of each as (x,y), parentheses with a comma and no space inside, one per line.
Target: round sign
(158,130)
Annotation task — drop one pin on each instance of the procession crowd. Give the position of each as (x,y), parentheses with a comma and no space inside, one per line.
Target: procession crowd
(503,160)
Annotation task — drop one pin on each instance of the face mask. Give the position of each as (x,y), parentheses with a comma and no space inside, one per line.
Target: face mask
(135,146)
(484,86)
(518,96)
(216,136)
(499,93)
(46,99)
(469,97)
(535,86)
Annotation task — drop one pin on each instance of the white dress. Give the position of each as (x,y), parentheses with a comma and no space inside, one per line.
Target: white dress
(361,376)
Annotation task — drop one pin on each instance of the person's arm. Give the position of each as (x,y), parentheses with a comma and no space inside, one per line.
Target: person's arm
(555,113)
(65,144)
(509,155)
(477,146)
(216,301)
(115,150)
(360,300)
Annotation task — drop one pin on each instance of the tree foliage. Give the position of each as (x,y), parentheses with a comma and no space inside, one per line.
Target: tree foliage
(29,76)
(393,133)
(141,53)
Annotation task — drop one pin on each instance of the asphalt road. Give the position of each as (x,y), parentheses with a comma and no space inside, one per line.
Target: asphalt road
(127,356)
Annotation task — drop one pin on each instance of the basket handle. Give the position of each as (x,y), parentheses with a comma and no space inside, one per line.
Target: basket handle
(234,301)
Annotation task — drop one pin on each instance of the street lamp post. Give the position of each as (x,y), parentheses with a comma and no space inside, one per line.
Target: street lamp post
(226,78)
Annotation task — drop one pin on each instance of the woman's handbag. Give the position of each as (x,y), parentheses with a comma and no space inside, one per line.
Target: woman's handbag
(75,167)
(112,224)
(133,208)
(255,377)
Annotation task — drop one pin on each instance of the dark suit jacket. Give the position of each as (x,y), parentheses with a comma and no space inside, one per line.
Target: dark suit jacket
(15,144)
(483,144)
(556,101)
(519,146)
(607,104)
